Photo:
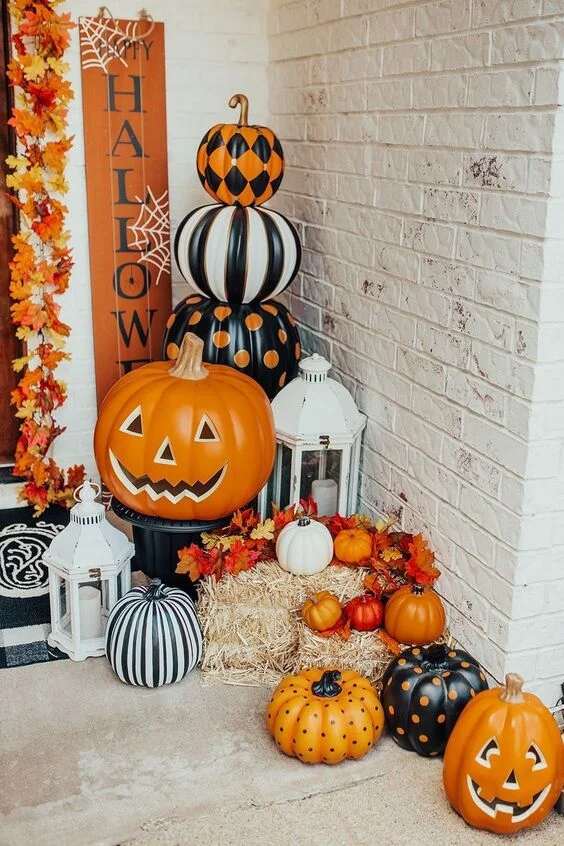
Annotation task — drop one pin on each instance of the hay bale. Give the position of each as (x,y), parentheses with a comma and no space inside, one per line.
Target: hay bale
(251,622)
(254,633)
(363,652)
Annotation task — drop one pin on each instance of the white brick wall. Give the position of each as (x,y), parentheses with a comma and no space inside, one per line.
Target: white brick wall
(210,54)
(425,149)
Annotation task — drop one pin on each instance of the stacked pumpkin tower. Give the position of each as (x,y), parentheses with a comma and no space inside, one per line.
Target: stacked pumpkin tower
(238,256)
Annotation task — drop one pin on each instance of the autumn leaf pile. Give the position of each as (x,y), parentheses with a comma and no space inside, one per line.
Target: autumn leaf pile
(397,558)
(42,262)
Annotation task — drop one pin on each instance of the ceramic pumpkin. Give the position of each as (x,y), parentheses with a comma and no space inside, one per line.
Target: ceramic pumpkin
(325,716)
(423,693)
(240,164)
(185,441)
(304,547)
(504,761)
(353,546)
(153,636)
(415,614)
(237,255)
(322,611)
(365,613)
(259,340)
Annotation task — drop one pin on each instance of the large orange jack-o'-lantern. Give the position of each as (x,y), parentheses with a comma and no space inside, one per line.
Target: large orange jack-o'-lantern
(187,441)
(504,761)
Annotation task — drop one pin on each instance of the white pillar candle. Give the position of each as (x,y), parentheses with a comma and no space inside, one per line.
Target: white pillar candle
(324,492)
(90,603)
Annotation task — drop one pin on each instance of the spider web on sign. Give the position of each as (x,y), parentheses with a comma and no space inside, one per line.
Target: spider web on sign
(151,231)
(102,40)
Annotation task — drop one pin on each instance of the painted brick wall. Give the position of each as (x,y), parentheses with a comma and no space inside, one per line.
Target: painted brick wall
(425,146)
(210,54)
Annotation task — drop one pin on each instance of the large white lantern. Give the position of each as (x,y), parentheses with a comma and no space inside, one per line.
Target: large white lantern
(89,570)
(318,434)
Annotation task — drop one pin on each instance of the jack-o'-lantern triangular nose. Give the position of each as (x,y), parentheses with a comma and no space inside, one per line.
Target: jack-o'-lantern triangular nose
(511,782)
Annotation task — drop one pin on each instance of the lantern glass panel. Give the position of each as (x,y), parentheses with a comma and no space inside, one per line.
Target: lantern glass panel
(278,486)
(319,464)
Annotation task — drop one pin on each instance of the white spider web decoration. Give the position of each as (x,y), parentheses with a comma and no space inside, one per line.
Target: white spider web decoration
(102,40)
(151,231)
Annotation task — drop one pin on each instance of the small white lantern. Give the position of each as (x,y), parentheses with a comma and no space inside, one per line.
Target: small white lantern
(318,434)
(89,570)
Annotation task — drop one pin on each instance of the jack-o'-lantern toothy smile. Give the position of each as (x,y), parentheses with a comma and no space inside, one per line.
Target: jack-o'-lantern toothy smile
(197,491)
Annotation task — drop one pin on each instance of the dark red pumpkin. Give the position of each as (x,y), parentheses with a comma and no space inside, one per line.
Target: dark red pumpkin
(365,613)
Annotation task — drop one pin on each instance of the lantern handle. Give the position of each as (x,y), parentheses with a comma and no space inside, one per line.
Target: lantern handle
(87,486)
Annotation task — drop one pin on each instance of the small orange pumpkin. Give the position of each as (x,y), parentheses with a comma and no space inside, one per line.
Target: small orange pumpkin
(415,614)
(325,716)
(504,761)
(322,611)
(353,546)
(185,441)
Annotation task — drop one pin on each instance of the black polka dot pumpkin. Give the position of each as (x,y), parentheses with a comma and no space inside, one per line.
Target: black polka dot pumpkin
(423,693)
(259,339)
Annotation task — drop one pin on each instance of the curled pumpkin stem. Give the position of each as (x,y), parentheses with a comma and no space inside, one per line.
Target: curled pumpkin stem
(243,101)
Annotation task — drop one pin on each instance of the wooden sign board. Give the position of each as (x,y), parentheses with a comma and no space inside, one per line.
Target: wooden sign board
(123,97)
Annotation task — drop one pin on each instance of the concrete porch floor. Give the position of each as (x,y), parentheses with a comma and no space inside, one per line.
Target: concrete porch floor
(86,760)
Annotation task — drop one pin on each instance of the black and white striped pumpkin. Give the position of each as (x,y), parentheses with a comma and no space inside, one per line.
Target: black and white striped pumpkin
(153,636)
(235,254)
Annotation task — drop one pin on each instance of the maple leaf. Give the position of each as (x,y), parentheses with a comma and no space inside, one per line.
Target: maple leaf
(391,553)
(243,521)
(282,517)
(191,561)
(337,523)
(240,558)
(420,567)
(264,530)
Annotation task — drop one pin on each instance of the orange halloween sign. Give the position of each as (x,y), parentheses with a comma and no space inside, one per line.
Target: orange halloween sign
(123,95)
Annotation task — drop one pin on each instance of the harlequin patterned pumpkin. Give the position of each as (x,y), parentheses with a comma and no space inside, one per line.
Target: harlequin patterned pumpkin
(261,341)
(240,164)
(415,614)
(237,255)
(187,441)
(153,636)
(325,716)
(504,761)
(423,693)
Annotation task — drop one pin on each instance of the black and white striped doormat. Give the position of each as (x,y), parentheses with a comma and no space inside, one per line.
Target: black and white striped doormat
(24,585)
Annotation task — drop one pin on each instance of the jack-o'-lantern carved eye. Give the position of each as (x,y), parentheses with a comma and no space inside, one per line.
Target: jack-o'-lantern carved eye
(487,751)
(133,423)
(164,454)
(534,754)
(206,431)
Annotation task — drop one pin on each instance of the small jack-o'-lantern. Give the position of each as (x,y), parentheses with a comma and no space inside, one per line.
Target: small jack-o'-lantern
(504,761)
(187,441)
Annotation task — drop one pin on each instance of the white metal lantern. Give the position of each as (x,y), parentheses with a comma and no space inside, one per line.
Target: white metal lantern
(89,570)
(318,434)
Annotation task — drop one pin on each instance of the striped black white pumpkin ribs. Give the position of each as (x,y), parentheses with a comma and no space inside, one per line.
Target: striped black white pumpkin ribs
(235,254)
(153,636)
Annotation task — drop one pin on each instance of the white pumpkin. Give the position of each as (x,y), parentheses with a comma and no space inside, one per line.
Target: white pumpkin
(304,547)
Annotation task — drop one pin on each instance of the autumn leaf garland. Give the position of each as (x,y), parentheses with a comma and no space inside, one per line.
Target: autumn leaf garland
(42,262)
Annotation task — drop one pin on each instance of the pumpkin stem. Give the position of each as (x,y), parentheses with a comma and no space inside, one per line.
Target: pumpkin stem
(417,589)
(155,589)
(188,363)
(242,101)
(327,684)
(513,689)
(304,520)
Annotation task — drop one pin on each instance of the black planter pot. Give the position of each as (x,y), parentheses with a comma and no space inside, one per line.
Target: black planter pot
(157,542)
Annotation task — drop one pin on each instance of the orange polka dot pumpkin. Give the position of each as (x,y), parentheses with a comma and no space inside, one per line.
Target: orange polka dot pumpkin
(259,340)
(237,255)
(325,716)
(240,164)
(504,761)
(187,441)
(423,693)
